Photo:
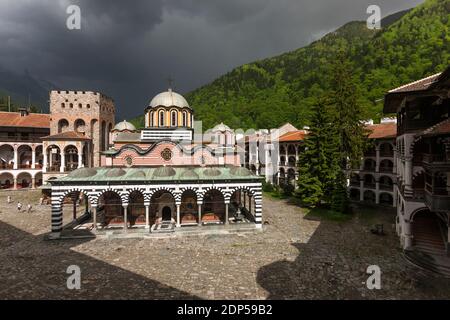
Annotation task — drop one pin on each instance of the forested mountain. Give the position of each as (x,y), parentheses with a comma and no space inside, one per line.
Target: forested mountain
(267,93)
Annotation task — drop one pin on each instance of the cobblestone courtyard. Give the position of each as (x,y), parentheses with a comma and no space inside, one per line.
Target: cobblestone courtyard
(298,256)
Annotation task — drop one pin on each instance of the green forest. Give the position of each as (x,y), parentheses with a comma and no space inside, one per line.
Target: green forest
(270,92)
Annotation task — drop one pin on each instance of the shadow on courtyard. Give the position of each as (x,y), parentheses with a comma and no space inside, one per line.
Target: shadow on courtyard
(332,264)
(33,268)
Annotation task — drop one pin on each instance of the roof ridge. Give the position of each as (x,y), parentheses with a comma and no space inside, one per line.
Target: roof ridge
(414,82)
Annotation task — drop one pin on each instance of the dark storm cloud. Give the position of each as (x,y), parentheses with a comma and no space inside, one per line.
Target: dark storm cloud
(127,49)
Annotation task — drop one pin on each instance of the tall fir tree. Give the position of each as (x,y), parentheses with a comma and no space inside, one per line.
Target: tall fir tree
(317,164)
(349,128)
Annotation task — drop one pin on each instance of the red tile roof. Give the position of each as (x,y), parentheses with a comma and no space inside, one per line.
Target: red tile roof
(438,129)
(383,130)
(33,120)
(293,136)
(69,135)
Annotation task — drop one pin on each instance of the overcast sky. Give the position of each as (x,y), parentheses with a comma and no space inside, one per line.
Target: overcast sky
(128,49)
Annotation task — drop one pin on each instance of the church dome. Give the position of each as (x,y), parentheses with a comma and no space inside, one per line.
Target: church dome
(124,125)
(169,99)
(221,128)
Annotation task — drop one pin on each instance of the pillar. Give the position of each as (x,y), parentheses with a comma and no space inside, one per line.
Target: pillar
(361,190)
(377,192)
(33,158)
(94,217)
(407,234)
(125,217)
(33,183)
(44,164)
(80,157)
(74,200)
(408,177)
(63,162)
(394,169)
(16,158)
(15,183)
(245,200)
(226,212)
(250,204)
(377,165)
(57,218)
(286,159)
(178,215)
(199,214)
(147,215)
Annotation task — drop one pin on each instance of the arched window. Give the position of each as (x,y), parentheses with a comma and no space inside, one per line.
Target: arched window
(63,105)
(184,119)
(150,123)
(161,118)
(80,105)
(71,105)
(174,118)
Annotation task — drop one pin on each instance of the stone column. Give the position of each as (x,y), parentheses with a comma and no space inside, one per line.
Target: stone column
(33,158)
(250,204)
(199,214)
(33,183)
(44,164)
(361,190)
(74,201)
(63,162)
(377,192)
(245,200)
(226,212)
(394,169)
(408,177)
(80,157)
(178,215)
(377,165)
(286,156)
(15,183)
(395,196)
(16,158)
(125,217)
(147,215)
(94,217)
(408,234)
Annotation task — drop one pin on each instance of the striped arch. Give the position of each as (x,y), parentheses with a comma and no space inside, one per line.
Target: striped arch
(175,195)
(247,189)
(131,190)
(85,192)
(205,191)
(195,190)
(122,194)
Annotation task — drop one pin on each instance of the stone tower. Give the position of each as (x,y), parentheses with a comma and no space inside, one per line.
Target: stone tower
(85,112)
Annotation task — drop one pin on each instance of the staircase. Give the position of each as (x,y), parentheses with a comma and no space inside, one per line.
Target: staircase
(428,251)
(428,237)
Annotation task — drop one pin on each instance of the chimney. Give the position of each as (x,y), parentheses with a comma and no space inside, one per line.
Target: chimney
(23,112)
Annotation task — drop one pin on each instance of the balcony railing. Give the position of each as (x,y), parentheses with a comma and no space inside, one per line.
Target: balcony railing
(369,185)
(434,158)
(387,187)
(437,202)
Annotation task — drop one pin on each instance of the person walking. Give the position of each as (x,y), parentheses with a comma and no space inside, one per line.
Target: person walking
(9,199)
(29,207)
(19,206)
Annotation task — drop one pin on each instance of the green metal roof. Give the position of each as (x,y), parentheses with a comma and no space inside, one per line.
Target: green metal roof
(156,174)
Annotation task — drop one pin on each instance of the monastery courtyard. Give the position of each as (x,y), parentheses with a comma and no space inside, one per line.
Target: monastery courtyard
(297,256)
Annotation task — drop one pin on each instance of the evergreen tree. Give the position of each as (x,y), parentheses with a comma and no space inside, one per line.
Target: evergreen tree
(349,129)
(316,163)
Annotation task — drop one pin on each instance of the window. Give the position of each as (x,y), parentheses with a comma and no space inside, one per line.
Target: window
(161,118)
(80,106)
(174,119)
(184,119)
(88,106)
(151,119)
(71,105)
(63,105)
